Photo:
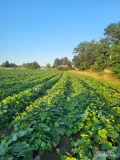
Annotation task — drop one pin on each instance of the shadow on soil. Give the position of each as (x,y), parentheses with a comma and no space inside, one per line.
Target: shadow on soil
(64,146)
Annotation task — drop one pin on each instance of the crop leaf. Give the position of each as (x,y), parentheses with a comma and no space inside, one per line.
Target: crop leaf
(103,133)
(106,146)
(3,147)
(61,130)
(68,132)
(24,132)
(14,138)
(114,134)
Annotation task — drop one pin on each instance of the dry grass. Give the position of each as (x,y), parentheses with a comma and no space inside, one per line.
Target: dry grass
(108,79)
(5,68)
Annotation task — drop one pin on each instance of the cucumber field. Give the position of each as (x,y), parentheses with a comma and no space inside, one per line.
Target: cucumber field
(41,108)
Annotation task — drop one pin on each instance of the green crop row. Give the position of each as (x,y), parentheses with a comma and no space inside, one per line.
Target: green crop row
(74,107)
(34,120)
(15,104)
(101,128)
(7,82)
(109,93)
(25,84)
(11,77)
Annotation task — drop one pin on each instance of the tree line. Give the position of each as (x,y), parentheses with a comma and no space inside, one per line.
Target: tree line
(102,54)
(33,65)
(7,64)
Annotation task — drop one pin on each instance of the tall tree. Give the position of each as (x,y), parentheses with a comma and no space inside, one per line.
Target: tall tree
(48,65)
(80,47)
(112,32)
(5,64)
(65,61)
(69,64)
(56,63)
(62,61)
(94,55)
(33,65)
(114,61)
(102,54)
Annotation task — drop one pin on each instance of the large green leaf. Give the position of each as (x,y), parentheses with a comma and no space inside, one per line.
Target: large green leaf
(103,133)
(68,132)
(24,132)
(114,134)
(3,147)
(61,130)
(14,138)
(56,124)
(106,146)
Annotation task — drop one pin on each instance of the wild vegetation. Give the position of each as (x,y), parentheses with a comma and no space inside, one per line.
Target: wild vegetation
(107,78)
(45,107)
(102,54)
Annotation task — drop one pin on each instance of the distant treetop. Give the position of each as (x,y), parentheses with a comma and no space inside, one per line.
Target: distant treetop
(8,65)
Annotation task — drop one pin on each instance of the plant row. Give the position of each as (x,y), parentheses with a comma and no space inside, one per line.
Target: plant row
(13,105)
(71,108)
(21,77)
(25,84)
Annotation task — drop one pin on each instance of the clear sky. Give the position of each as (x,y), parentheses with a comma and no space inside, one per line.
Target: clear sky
(42,30)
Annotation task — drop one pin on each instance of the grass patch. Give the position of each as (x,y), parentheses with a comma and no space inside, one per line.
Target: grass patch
(108,79)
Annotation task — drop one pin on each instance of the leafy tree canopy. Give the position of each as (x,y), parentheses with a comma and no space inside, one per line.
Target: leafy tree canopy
(62,61)
(102,54)
(33,65)
(48,65)
(7,64)
(112,32)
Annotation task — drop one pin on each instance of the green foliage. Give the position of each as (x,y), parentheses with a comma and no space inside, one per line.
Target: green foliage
(70,105)
(103,133)
(48,65)
(94,56)
(100,55)
(114,61)
(10,104)
(33,65)
(80,47)
(3,147)
(112,31)
(63,61)
(56,63)
(69,64)
(7,64)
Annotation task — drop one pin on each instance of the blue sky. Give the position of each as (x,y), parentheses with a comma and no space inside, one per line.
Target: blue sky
(42,30)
